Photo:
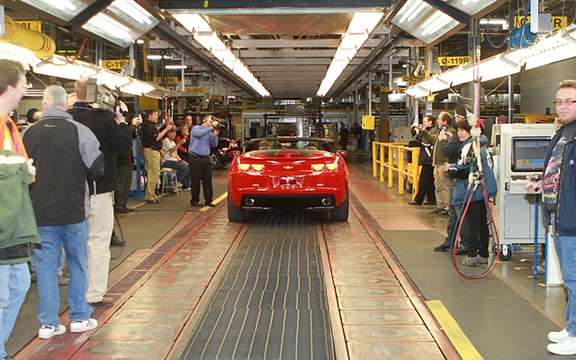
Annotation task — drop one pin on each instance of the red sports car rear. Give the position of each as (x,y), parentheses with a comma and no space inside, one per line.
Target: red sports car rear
(288,173)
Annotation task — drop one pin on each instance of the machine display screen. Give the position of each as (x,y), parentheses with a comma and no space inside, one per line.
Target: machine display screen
(528,154)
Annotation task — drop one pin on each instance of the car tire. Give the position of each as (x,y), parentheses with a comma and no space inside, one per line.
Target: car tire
(340,213)
(214,160)
(235,214)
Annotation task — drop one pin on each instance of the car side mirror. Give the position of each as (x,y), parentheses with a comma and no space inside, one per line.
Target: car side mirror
(342,153)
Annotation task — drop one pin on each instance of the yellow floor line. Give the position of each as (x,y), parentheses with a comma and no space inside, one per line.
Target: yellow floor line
(216,201)
(463,346)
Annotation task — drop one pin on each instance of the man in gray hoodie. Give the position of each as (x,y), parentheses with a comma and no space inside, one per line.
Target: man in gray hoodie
(66,153)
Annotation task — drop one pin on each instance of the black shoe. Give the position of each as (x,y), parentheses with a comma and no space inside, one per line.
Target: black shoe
(194,203)
(442,248)
(414,203)
(211,204)
(116,241)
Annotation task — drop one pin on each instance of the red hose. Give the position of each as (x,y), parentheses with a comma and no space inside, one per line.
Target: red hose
(492,263)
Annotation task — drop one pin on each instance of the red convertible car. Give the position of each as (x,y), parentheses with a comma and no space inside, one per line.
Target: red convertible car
(288,173)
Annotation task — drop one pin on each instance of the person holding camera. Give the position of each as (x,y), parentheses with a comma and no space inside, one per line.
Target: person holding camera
(202,139)
(151,139)
(105,126)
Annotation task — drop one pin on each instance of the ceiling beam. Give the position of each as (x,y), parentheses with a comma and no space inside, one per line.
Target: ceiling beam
(285,43)
(255,5)
(456,14)
(287,68)
(288,61)
(94,8)
(287,53)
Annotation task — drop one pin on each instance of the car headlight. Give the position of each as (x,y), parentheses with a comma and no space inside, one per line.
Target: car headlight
(257,167)
(317,167)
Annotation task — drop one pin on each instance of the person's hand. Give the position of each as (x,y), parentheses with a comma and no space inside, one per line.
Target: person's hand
(183,162)
(442,135)
(216,131)
(534,185)
(169,127)
(30,168)
(445,167)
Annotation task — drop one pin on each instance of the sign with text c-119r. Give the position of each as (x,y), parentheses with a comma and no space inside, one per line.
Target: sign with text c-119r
(453,60)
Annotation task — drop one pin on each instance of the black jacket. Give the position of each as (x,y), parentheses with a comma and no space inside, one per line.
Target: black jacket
(125,154)
(65,153)
(112,141)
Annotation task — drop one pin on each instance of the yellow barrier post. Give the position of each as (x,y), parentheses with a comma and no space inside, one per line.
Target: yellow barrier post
(381,162)
(415,167)
(390,165)
(400,170)
(374,159)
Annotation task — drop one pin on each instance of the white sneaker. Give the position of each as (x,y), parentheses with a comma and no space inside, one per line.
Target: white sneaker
(47,331)
(558,336)
(84,325)
(566,347)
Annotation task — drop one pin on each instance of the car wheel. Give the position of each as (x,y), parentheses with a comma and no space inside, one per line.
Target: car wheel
(214,160)
(234,214)
(340,213)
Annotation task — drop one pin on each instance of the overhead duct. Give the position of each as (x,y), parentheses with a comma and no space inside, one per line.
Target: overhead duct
(41,45)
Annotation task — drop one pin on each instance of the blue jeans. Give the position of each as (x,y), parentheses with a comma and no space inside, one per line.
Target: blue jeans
(182,172)
(14,284)
(566,250)
(61,264)
(74,238)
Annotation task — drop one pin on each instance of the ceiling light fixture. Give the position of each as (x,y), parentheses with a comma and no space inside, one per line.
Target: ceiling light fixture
(62,9)
(359,29)
(559,46)
(176,67)
(203,34)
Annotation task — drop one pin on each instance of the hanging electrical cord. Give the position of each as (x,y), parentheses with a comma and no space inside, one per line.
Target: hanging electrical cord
(476,179)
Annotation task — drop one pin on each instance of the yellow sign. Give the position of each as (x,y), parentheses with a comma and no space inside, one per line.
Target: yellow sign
(167,80)
(196,91)
(453,60)
(115,64)
(368,122)
(558,22)
(34,25)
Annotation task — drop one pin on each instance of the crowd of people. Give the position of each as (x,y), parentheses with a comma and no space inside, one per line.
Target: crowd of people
(63,177)
(447,158)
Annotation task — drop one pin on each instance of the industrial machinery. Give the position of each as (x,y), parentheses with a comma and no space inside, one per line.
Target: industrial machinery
(518,151)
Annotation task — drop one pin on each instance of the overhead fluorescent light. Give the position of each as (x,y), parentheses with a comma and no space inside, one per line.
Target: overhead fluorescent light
(59,66)
(203,34)
(16,53)
(176,67)
(423,21)
(123,22)
(137,87)
(154,57)
(471,7)
(559,46)
(498,22)
(358,31)
(62,9)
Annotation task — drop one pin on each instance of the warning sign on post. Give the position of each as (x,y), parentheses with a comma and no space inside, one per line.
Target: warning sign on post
(115,64)
(558,22)
(368,122)
(453,60)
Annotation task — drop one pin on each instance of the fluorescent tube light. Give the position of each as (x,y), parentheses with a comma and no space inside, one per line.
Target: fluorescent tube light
(203,34)
(137,87)
(62,9)
(359,29)
(133,10)
(154,57)
(59,66)
(176,67)
(16,53)
(108,28)
(500,22)
(423,21)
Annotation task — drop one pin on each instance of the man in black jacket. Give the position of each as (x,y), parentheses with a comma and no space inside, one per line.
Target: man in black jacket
(125,159)
(426,179)
(65,154)
(101,215)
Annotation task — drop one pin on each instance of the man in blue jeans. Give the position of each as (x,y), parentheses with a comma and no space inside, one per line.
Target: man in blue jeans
(202,139)
(18,233)
(559,197)
(66,154)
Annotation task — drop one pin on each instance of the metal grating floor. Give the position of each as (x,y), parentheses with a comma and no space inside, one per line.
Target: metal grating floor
(271,302)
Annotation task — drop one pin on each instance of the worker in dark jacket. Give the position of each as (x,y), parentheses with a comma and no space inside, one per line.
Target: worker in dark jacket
(101,216)
(18,233)
(426,178)
(66,153)
(559,196)
(125,160)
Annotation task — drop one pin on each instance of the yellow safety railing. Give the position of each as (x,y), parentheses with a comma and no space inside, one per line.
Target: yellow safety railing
(393,156)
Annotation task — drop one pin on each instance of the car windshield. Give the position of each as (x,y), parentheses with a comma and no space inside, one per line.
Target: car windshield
(287,143)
